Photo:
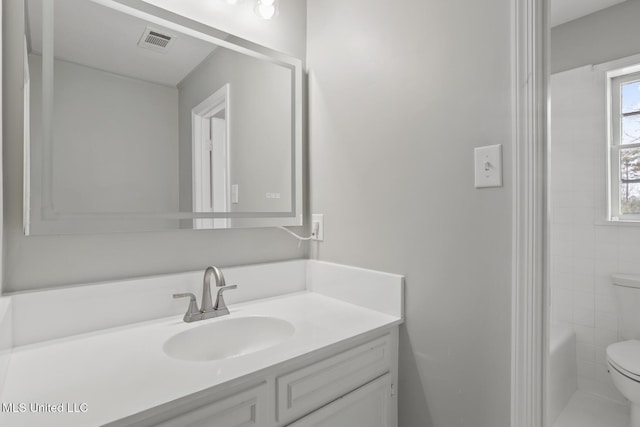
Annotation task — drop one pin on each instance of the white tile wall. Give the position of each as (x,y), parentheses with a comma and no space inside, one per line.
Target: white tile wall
(585,250)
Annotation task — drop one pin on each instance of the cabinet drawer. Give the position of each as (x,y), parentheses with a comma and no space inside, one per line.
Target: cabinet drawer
(311,387)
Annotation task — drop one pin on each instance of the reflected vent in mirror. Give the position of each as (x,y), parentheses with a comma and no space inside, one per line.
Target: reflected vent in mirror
(154,39)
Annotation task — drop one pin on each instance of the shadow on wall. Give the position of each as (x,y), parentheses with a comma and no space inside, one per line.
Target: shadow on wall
(412,401)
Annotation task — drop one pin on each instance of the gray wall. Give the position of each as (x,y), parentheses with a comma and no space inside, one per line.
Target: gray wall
(99,167)
(603,36)
(400,94)
(43,261)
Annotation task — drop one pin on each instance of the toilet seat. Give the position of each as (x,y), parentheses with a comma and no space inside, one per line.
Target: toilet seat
(625,357)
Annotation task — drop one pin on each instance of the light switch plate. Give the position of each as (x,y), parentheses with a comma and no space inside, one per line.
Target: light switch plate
(488,166)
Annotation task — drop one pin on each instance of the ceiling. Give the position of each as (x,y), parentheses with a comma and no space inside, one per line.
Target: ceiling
(563,11)
(90,34)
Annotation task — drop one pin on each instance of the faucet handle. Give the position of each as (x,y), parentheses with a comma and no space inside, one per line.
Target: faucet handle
(192,312)
(220,306)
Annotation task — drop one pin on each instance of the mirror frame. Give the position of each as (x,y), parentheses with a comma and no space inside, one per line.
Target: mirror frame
(41,219)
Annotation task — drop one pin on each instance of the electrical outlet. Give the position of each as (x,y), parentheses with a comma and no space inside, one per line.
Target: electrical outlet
(234,193)
(317,225)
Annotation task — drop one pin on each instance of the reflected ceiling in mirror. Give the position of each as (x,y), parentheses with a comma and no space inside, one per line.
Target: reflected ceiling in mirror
(139,119)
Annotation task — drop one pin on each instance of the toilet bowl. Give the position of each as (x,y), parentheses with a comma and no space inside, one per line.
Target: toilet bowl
(623,360)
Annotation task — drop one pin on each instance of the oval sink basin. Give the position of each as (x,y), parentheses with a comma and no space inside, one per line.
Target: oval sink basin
(228,338)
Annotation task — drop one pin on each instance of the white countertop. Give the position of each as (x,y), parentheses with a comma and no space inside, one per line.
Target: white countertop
(122,371)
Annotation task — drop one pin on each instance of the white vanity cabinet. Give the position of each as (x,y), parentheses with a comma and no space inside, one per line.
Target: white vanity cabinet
(338,367)
(351,386)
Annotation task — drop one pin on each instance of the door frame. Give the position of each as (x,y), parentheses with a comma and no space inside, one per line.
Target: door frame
(212,105)
(530,52)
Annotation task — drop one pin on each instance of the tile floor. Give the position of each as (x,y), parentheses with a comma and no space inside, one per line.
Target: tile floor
(587,410)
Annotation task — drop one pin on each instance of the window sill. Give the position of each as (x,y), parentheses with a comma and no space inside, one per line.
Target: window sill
(618,222)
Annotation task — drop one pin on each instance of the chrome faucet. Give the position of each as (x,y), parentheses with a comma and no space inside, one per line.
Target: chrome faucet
(208,309)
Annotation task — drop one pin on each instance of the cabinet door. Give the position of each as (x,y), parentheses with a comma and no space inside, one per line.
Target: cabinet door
(367,406)
(304,390)
(244,409)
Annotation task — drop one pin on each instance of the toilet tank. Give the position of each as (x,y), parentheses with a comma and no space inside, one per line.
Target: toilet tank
(627,290)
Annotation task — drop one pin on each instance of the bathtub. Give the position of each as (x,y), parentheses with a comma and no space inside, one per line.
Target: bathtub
(563,372)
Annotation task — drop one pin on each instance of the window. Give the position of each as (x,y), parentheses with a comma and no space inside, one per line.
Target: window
(624,148)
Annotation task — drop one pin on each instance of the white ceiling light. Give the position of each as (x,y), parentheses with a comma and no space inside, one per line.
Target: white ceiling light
(267,9)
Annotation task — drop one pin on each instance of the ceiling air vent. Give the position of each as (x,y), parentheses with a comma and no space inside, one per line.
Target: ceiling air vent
(156,40)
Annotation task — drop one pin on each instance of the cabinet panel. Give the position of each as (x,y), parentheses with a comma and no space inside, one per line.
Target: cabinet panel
(307,389)
(367,406)
(244,409)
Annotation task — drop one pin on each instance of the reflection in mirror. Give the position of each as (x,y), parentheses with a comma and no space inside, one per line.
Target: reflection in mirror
(136,123)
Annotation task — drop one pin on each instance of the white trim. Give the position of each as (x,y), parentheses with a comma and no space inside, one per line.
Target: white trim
(201,173)
(614,81)
(626,69)
(530,38)
(26,181)
(48,70)
(2,246)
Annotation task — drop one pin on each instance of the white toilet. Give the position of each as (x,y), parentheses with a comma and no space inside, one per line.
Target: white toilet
(623,358)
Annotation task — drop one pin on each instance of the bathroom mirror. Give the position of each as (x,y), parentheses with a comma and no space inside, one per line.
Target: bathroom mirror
(137,119)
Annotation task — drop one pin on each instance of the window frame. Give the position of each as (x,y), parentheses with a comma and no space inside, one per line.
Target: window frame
(615,80)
